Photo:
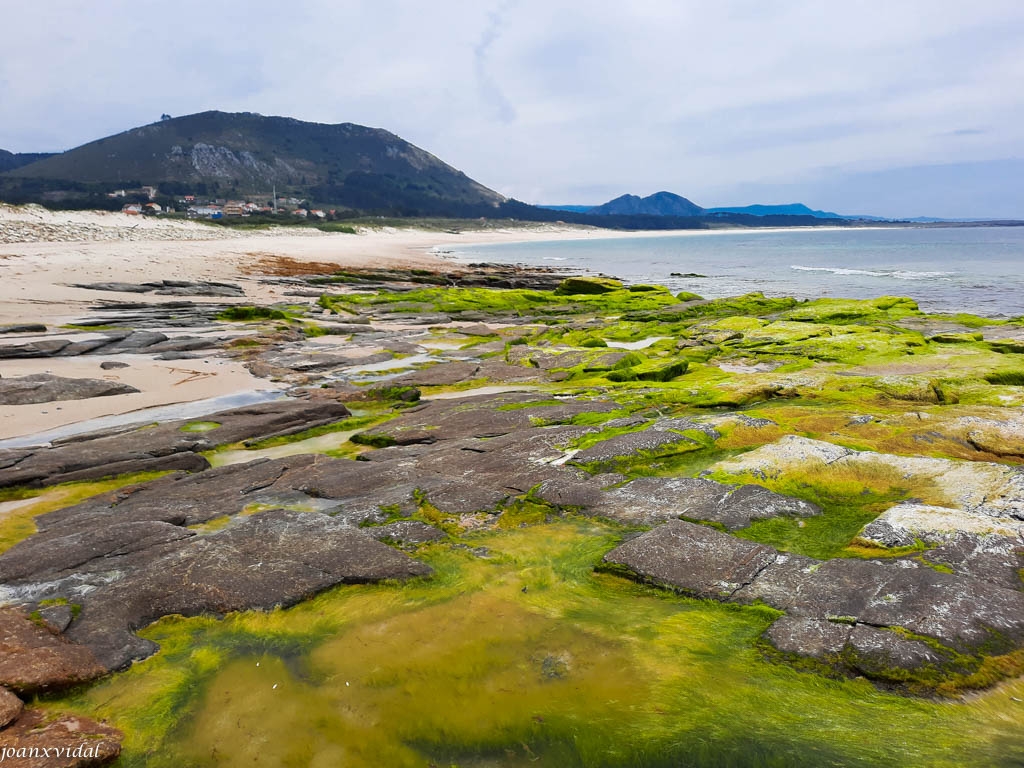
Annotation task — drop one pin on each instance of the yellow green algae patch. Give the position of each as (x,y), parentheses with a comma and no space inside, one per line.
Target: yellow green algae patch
(23,505)
(516,653)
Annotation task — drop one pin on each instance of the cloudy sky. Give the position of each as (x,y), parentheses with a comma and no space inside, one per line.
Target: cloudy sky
(897,107)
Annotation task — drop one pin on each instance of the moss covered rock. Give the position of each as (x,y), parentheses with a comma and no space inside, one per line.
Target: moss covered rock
(572,286)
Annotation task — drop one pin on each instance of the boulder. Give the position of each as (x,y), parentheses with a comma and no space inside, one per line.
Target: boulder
(10,707)
(587,285)
(35,659)
(31,349)
(40,739)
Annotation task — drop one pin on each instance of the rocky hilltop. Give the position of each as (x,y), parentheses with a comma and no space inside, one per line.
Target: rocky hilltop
(219,153)
(538,491)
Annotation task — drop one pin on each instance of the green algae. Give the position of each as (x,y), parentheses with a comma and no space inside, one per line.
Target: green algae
(18,523)
(513,302)
(573,286)
(244,314)
(200,426)
(523,657)
(517,653)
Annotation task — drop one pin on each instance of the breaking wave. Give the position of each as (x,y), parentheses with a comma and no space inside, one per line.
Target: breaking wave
(896,274)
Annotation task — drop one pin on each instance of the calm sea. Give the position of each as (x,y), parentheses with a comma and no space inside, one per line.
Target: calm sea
(970,269)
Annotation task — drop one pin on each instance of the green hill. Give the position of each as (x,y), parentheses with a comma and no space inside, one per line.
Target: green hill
(219,153)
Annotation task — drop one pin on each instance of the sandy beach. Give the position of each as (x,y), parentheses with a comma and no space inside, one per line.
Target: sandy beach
(58,249)
(43,254)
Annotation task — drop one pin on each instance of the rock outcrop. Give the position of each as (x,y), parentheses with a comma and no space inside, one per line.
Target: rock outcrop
(45,388)
(862,617)
(170,446)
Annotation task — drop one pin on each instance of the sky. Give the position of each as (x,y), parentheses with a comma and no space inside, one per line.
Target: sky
(894,108)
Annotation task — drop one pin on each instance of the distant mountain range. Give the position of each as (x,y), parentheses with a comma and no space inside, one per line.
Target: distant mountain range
(658,204)
(351,168)
(792,209)
(669,204)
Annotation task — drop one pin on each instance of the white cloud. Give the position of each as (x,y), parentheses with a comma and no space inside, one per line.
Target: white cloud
(549,101)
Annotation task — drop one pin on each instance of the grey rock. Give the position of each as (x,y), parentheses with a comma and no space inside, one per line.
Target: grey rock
(168,288)
(840,611)
(753,502)
(632,444)
(183,344)
(57,616)
(440,375)
(683,425)
(694,559)
(76,348)
(273,558)
(110,365)
(87,548)
(991,558)
(164,447)
(813,638)
(406,532)
(135,341)
(478,329)
(46,388)
(32,349)
(481,416)
(23,328)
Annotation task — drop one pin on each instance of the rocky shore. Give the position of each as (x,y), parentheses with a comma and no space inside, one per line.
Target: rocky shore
(851,467)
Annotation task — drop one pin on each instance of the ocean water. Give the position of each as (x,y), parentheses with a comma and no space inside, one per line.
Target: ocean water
(967,269)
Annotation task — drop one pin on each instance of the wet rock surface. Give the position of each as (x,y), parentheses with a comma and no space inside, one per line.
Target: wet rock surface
(867,617)
(170,446)
(275,531)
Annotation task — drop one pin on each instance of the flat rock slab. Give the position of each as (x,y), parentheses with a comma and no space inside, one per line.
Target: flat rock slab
(168,288)
(38,739)
(860,649)
(170,446)
(116,342)
(693,558)
(440,375)
(406,532)
(46,388)
(481,416)
(634,444)
(647,500)
(35,659)
(132,572)
(23,328)
(853,613)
